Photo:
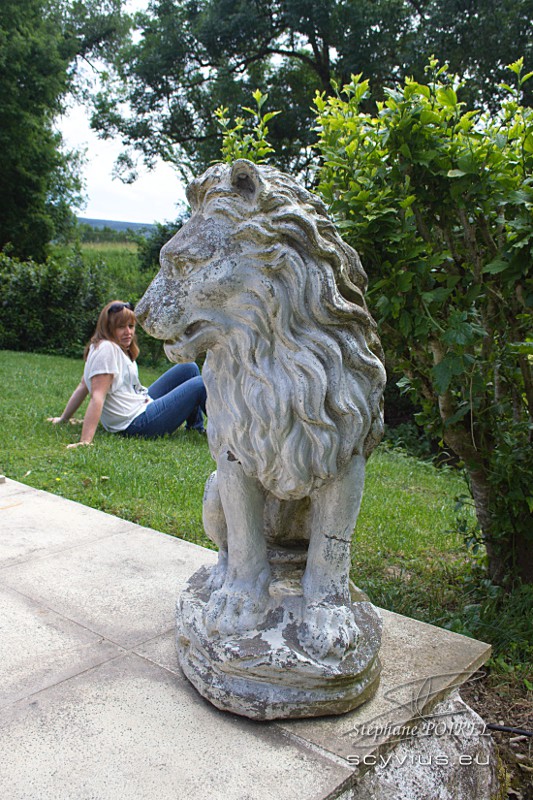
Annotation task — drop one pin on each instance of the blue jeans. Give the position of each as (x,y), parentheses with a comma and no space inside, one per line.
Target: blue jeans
(178,396)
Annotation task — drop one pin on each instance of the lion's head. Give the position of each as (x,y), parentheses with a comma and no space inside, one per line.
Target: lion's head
(260,279)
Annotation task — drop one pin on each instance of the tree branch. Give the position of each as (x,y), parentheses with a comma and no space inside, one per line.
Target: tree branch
(418,8)
(457,436)
(487,236)
(423,229)
(471,243)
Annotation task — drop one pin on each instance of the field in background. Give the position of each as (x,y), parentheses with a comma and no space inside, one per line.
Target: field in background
(116,225)
(126,282)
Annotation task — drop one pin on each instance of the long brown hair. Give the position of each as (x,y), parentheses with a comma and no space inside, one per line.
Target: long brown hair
(107,325)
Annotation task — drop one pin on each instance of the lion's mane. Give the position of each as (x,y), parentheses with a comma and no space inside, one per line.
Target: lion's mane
(296,389)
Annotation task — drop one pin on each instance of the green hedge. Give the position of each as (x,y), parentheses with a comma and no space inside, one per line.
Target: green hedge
(50,307)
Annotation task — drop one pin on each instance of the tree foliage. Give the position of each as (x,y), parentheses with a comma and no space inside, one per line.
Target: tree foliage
(477,39)
(248,136)
(40,44)
(149,246)
(439,202)
(189,58)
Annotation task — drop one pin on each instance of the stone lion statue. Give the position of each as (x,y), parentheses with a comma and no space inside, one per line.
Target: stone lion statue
(259,278)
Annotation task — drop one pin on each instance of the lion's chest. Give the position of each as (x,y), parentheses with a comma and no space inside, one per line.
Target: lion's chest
(254,419)
(230,412)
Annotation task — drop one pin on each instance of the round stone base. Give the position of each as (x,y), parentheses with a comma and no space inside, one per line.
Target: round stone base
(265,673)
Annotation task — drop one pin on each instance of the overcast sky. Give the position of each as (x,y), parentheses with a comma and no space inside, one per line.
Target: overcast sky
(152,198)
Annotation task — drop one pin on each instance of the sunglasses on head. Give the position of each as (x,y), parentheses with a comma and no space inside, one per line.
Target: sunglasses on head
(119,306)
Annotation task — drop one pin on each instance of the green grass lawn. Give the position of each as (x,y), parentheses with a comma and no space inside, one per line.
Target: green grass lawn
(404,553)
(407,554)
(157,483)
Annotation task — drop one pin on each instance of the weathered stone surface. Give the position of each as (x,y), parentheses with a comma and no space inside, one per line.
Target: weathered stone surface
(129,730)
(126,610)
(238,672)
(23,509)
(260,279)
(40,648)
(450,756)
(422,665)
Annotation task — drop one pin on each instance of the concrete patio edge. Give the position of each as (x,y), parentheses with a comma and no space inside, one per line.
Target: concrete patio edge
(94,705)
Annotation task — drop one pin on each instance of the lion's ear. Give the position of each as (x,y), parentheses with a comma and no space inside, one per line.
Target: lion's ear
(246,178)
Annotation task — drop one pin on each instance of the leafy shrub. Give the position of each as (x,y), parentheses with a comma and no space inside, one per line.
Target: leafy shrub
(399,405)
(503,619)
(50,307)
(409,437)
(438,201)
(247,138)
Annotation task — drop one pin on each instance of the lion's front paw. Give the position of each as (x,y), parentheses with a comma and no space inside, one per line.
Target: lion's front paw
(236,607)
(217,574)
(328,630)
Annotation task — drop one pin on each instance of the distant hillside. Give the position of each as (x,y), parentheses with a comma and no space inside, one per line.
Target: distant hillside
(116,225)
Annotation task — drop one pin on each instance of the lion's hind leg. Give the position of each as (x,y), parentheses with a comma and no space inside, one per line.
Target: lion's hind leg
(216,529)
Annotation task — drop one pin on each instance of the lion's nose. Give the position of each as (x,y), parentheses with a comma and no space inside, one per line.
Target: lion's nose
(145,311)
(150,301)
(142,310)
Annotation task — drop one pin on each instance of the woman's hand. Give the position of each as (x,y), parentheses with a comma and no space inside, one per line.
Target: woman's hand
(79,444)
(61,421)
(76,399)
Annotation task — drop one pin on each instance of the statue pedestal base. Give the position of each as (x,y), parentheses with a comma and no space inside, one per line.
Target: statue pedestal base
(265,673)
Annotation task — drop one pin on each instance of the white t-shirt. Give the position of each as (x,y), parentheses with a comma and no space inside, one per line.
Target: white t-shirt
(127,398)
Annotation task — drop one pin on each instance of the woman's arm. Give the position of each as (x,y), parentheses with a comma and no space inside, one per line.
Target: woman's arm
(76,399)
(100,385)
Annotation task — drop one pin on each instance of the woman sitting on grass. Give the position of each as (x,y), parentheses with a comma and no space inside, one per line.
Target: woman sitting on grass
(118,399)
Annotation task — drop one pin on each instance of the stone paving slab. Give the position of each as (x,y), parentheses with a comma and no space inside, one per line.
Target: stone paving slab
(129,729)
(95,706)
(23,511)
(40,648)
(123,587)
(422,664)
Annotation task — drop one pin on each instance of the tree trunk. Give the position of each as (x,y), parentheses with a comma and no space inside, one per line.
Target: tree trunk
(496,554)
(511,554)
(507,553)
(523,548)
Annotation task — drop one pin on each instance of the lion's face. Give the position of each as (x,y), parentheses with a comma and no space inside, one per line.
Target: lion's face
(259,277)
(188,303)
